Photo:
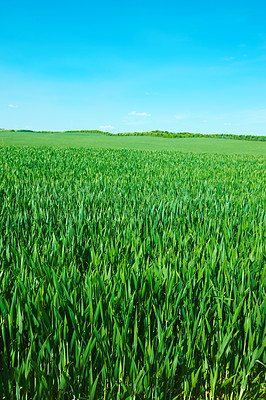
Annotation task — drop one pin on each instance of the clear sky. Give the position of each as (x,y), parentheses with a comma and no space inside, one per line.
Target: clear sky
(197,66)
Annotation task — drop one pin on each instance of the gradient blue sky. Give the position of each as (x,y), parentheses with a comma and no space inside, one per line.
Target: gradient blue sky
(197,66)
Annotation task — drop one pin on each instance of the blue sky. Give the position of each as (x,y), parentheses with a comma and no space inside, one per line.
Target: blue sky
(197,66)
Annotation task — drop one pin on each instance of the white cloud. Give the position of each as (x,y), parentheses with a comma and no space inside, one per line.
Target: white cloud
(107,127)
(227,123)
(140,114)
(12,106)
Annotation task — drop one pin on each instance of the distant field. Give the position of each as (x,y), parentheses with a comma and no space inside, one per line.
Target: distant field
(90,140)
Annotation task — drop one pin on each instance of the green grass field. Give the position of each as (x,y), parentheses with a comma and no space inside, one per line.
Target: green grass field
(128,274)
(89,140)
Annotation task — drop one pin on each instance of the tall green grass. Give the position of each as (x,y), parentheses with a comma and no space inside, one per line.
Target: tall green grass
(131,275)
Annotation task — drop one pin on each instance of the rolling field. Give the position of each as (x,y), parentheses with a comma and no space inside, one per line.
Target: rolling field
(90,140)
(129,274)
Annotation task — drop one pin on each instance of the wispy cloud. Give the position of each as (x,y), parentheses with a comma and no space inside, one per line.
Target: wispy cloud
(151,94)
(107,127)
(254,116)
(227,58)
(227,123)
(140,114)
(12,106)
(180,116)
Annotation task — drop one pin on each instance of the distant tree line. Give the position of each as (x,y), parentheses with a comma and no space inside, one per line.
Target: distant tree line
(16,130)
(167,134)
(157,133)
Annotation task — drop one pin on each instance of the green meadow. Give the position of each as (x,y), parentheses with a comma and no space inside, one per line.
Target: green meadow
(94,140)
(132,268)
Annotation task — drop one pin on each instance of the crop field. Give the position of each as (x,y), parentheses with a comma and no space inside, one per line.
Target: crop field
(94,140)
(128,274)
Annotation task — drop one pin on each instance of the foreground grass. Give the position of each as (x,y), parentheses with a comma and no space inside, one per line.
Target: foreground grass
(94,140)
(131,275)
